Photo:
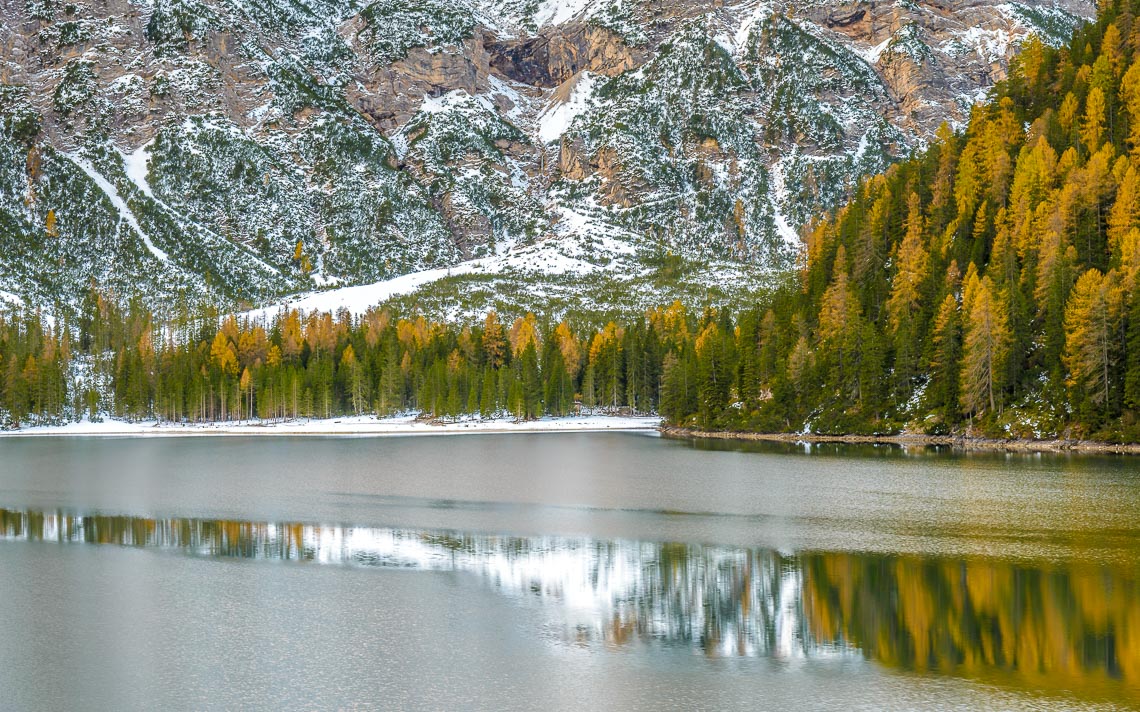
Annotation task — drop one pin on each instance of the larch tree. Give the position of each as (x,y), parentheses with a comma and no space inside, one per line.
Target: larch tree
(569,347)
(523,332)
(840,325)
(246,386)
(904,306)
(801,362)
(943,184)
(945,356)
(1092,124)
(985,348)
(1130,94)
(1125,213)
(494,341)
(1091,336)
(225,361)
(357,379)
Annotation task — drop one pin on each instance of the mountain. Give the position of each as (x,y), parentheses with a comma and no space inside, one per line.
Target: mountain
(235,151)
(989,285)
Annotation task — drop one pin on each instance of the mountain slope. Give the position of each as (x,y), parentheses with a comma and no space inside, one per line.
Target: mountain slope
(235,151)
(990,284)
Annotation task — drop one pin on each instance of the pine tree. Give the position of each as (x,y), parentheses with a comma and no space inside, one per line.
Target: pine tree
(530,381)
(558,394)
(1132,371)
(714,374)
(679,386)
(15,392)
(607,365)
(487,404)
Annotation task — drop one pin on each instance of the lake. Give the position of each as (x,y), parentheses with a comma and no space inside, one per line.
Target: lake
(568,571)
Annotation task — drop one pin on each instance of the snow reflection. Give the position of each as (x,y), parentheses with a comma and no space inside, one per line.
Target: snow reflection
(724,601)
(1067,626)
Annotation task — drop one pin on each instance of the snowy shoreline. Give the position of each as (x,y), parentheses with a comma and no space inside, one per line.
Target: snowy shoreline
(351,425)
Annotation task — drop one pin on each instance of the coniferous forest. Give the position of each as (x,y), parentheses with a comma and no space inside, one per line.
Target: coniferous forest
(988,285)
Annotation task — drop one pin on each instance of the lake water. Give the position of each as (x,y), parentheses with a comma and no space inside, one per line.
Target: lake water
(568,571)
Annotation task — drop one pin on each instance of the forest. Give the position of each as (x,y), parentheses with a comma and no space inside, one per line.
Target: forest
(987,285)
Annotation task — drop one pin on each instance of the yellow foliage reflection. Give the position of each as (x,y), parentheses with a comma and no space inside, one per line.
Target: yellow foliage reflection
(1063,627)
(1050,626)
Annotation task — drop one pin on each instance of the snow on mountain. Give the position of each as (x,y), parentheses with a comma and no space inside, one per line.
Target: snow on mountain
(556,117)
(238,151)
(120,205)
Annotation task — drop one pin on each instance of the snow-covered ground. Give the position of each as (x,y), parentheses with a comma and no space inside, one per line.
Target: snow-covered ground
(358,299)
(356,425)
(553,256)
(556,118)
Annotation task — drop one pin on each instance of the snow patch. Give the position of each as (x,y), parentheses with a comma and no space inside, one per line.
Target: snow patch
(120,205)
(780,191)
(726,42)
(991,45)
(359,299)
(554,12)
(761,11)
(500,88)
(444,103)
(551,257)
(556,118)
(136,167)
(873,54)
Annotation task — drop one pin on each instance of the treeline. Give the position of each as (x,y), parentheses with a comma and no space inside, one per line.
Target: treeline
(988,285)
(706,369)
(123,361)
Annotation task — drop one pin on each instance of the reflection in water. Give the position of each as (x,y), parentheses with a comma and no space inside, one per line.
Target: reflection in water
(1074,627)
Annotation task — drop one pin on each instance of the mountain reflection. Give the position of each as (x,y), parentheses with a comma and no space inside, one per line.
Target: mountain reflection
(1062,627)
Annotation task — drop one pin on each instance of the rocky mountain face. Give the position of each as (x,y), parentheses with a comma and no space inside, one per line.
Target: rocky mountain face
(237,150)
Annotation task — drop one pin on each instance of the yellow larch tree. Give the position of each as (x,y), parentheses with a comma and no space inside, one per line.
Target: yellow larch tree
(904,303)
(1092,125)
(985,347)
(494,343)
(1091,324)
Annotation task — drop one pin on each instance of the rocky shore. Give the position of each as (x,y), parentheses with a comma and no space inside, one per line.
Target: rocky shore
(957,442)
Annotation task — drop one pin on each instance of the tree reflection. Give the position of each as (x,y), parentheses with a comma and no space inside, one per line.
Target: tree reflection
(1074,627)
(1050,626)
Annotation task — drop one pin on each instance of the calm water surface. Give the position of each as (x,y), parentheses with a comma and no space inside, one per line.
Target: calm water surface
(598,570)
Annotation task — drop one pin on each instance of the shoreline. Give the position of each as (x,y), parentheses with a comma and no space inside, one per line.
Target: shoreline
(346,426)
(955,442)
